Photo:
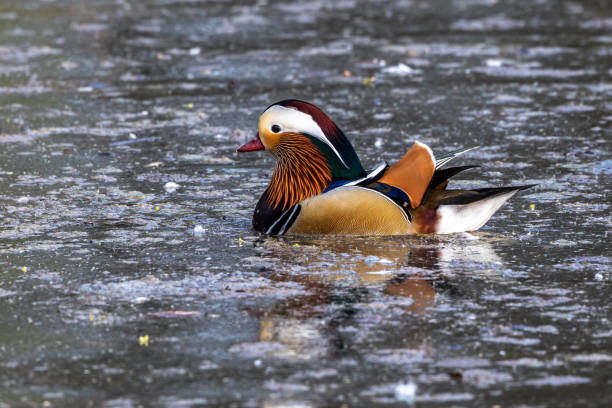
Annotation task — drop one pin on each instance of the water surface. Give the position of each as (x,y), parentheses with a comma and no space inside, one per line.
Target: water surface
(117,292)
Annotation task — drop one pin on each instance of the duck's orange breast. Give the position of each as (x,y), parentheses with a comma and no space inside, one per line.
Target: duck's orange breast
(351,211)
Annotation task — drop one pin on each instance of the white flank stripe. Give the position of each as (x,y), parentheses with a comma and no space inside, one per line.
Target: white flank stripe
(284,228)
(372,174)
(275,222)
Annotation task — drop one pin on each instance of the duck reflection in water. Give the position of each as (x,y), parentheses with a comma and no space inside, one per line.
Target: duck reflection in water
(348,284)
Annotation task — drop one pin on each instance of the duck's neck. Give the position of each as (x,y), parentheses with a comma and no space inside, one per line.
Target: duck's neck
(301,172)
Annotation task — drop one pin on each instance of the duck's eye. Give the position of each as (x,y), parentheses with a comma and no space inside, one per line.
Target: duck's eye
(275,128)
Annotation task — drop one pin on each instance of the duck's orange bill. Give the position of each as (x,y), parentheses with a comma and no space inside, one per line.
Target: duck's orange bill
(253,145)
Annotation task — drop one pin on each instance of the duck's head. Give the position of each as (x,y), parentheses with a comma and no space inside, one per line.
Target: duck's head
(297,131)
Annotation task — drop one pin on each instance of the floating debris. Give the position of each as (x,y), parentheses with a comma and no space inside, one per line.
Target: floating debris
(69,65)
(144,340)
(369,81)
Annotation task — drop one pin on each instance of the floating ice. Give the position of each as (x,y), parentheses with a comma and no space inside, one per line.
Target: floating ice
(494,62)
(405,392)
(199,230)
(399,69)
(171,187)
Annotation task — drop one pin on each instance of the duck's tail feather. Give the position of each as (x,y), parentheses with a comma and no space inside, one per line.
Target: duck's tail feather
(442,159)
(441,176)
(470,210)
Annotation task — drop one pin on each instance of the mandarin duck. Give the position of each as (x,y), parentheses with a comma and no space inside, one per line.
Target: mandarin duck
(320,187)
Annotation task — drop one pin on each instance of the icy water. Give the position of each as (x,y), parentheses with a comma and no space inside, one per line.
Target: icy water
(116,291)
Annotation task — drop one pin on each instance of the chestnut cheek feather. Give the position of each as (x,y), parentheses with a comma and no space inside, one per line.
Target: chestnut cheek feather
(301,172)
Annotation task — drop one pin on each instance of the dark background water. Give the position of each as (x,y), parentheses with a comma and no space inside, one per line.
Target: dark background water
(104,102)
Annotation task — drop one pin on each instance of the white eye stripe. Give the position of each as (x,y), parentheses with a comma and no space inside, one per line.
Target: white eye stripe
(291,119)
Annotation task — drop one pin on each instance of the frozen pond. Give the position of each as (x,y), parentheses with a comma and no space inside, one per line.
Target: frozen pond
(116,291)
